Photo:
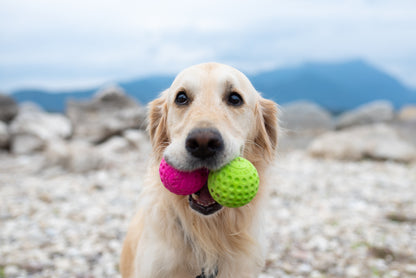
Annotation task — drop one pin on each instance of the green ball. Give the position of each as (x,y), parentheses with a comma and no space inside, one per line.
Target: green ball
(235,184)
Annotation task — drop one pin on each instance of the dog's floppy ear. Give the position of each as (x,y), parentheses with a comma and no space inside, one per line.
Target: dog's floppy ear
(268,125)
(157,124)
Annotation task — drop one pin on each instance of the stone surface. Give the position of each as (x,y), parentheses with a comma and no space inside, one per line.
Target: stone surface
(324,218)
(300,123)
(304,115)
(108,113)
(137,138)
(379,142)
(374,112)
(115,144)
(32,129)
(4,135)
(74,156)
(26,143)
(8,108)
(30,107)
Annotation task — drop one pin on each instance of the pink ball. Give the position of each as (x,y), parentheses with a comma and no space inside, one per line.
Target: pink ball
(182,183)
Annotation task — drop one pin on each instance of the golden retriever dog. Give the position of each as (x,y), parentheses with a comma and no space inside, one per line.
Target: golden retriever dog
(210,115)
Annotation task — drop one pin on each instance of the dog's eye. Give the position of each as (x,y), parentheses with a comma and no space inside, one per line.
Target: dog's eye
(235,99)
(181,98)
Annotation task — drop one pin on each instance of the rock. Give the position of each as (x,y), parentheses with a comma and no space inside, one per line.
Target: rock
(381,252)
(31,130)
(26,144)
(30,107)
(108,113)
(304,115)
(301,122)
(373,112)
(304,268)
(137,138)
(379,142)
(353,271)
(114,145)
(132,142)
(262,275)
(410,269)
(8,108)
(83,157)
(407,113)
(4,135)
(320,221)
(74,156)
(11,271)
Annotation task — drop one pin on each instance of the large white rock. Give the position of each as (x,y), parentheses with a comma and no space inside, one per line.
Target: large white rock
(114,145)
(26,143)
(74,156)
(301,122)
(31,130)
(379,142)
(137,138)
(373,112)
(30,107)
(108,113)
(304,115)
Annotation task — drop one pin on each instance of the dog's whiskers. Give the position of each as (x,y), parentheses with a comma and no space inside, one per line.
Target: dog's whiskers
(252,142)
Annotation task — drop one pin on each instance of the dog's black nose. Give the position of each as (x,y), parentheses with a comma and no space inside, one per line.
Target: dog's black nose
(204,142)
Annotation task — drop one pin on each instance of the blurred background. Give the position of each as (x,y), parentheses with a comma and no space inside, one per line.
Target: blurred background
(338,54)
(75,78)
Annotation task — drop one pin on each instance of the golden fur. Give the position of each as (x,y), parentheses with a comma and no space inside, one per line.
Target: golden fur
(167,238)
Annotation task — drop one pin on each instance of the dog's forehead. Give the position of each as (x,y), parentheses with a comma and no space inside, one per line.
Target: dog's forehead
(212,76)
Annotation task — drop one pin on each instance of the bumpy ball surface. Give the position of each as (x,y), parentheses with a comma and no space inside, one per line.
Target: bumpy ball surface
(182,183)
(235,184)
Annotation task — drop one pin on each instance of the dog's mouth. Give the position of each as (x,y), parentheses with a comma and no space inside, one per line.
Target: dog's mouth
(203,202)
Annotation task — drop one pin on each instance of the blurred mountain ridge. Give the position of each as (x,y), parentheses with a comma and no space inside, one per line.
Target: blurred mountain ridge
(336,86)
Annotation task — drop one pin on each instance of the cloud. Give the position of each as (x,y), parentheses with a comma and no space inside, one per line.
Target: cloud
(70,42)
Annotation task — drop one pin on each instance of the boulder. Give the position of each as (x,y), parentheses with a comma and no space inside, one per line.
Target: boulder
(301,122)
(74,156)
(108,113)
(114,145)
(8,108)
(32,129)
(138,139)
(373,112)
(378,142)
(26,143)
(304,115)
(30,107)
(4,135)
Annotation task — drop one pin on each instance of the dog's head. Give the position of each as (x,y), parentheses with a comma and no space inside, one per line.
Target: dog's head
(210,115)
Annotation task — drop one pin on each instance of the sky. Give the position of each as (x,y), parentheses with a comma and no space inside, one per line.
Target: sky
(84,43)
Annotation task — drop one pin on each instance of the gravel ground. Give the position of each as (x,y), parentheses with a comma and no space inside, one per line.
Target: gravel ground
(342,219)
(325,218)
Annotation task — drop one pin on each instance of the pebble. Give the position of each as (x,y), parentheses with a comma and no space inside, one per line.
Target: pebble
(325,218)
(410,269)
(353,271)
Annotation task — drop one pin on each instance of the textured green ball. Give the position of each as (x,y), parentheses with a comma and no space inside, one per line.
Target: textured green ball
(235,184)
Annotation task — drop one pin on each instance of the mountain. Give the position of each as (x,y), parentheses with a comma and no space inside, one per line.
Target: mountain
(147,89)
(335,86)
(144,90)
(53,101)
